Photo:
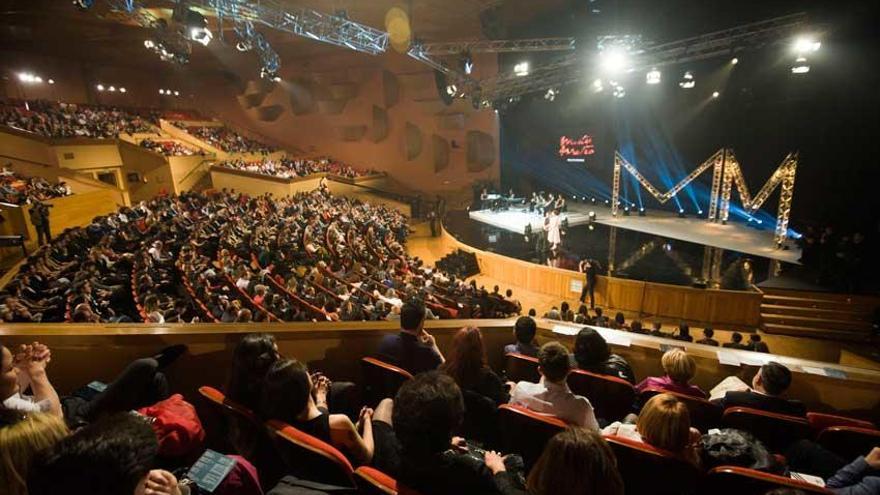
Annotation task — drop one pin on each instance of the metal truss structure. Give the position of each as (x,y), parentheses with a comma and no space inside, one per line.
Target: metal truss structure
(726,174)
(169,43)
(572,67)
(497,46)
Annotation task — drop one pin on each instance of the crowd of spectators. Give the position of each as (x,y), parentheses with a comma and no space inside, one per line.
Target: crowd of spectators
(20,190)
(226,139)
(169,148)
(70,120)
(229,257)
(289,168)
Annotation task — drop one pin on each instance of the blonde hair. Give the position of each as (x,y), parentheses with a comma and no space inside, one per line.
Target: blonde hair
(678,365)
(665,423)
(20,441)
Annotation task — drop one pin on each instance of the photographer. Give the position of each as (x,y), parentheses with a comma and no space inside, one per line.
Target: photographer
(39,213)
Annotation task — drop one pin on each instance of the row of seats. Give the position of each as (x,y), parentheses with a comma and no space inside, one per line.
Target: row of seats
(645,469)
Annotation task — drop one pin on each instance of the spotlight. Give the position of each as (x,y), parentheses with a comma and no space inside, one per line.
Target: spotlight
(626,211)
(83,4)
(38,79)
(653,77)
(197,27)
(451,90)
(112,89)
(613,60)
(607,202)
(122,90)
(177,93)
(681,213)
(467,63)
(593,200)
(806,44)
(687,81)
(100,87)
(642,211)
(161,91)
(201,35)
(551,93)
(149,44)
(243,46)
(521,69)
(734,61)
(51,81)
(619,91)
(597,86)
(715,94)
(591,227)
(800,66)
(592,216)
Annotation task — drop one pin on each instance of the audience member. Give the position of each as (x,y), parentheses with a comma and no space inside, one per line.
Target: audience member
(19,190)
(252,358)
(707,339)
(23,436)
(657,330)
(288,168)
(755,344)
(551,394)
(524,330)
(413,349)
(593,354)
(599,320)
(680,368)
(684,333)
(635,326)
(619,322)
(467,366)
(860,477)
(735,342)
(68,120)
(665,423)
(768,384)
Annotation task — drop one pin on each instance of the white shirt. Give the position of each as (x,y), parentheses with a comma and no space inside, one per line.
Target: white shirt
(625,430)
(26,403)
(556,399)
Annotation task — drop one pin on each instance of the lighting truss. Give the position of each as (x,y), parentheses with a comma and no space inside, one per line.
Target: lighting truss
(333,29)
(165,39)
(270,63)
(726,174)
(498,46)
(571,67)
(471,86)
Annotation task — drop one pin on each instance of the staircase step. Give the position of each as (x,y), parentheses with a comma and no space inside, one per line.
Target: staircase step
(811,302)
(817,323)
(868,300)
(800,331)
(837,314)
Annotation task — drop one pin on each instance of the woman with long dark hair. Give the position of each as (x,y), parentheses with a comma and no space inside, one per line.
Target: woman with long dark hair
(251,360)
(593,354)
(466,364)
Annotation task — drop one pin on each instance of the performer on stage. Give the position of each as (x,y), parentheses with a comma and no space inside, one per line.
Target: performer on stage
(552,225)
(533,202)
(589,268)
(484,199)
(560,203)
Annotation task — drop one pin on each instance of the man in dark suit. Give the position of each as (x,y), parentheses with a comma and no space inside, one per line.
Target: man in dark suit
(736,342)
(768,384)
(589,268)
(413,349)
(707,339)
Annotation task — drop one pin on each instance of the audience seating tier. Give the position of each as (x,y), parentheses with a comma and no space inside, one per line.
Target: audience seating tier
(704,414)
(732,480)
(647,469)
(527,432)
(612,397)
(849,442)
(381,380)
(310,458)
(776,431)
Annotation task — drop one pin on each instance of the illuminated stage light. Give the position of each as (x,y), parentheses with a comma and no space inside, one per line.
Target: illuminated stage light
(112,89)
(593,200)
(734,61)
(551,93)
(100,87)
(699,212)
(122,90)
(642,211)
(800,66)
(681,213)
(149,44)
(451,90)
(521,69)
(687,81)
(653,77)
(177,93)
(83,4)
(467,63)
(597,86)
(626,211)
(715,94)
(51,81)
(607,202)
(613,60)
(592,216)
(806,44)
(591,227)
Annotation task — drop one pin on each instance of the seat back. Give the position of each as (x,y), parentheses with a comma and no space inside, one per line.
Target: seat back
(521,368)
(647,469)
(480,418)
(371,481)
(310,458)
(776,431)
(849,442)
(526,432)
(704,414)
(820,421)
(734,480)
(612,398)
(381,380)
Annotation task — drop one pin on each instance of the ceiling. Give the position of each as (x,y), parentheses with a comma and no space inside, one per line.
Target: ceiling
(57,28)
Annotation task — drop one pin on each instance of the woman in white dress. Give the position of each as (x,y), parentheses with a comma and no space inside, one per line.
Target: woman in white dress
(552,226)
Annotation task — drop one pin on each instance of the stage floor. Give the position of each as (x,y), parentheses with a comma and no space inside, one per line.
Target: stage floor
(734,236)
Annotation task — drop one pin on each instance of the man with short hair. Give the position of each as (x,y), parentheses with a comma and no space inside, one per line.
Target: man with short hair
(413,349)
(756,345)
(736,342)
(551,394)
(524,330)
(767,386)
(707,339)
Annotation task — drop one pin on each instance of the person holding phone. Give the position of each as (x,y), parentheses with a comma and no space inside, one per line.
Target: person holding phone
(413,349)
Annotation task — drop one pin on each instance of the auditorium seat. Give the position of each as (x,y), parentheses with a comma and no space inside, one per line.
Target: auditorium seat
(849,442)
(310,458)
(647,469)
(820,421)
(777,431)
(704,414)
(525,432)
(733,480)
(381,380)
(371,481)
(612,398)
(520,367)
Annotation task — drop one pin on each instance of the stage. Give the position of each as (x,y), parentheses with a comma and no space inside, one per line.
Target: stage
(734,236)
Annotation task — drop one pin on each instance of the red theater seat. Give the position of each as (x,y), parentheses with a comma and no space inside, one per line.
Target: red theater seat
(732,480)
(777,431)
(849,442)
(310,458)
(381,380)
(612,398)
(647,469)
(820,421)
(371,481)
(704,414)
(521,368)
(525,432)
